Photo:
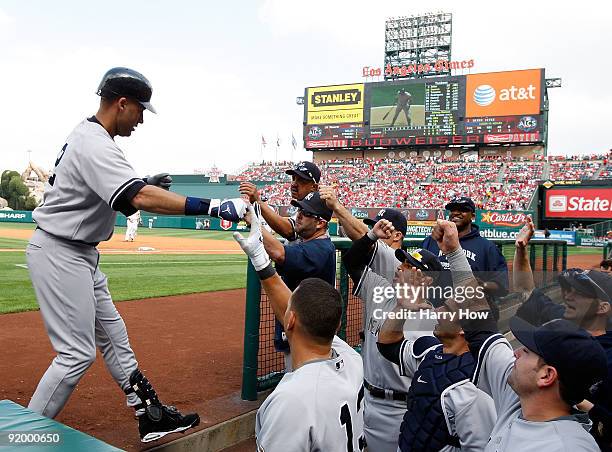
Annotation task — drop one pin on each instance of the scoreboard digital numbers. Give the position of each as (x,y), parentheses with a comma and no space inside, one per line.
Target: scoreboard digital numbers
(420,108)
(442,108)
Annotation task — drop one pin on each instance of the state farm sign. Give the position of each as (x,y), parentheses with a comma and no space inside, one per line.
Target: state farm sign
(584,203)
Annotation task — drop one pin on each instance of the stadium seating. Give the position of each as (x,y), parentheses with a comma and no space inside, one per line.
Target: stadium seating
(492,182)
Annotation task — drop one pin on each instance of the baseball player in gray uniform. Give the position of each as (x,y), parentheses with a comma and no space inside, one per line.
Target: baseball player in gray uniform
(386,390)
(91,182)
(318,406)
(403,101)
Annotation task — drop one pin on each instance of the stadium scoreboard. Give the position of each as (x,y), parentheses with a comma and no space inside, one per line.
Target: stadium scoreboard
(500,107)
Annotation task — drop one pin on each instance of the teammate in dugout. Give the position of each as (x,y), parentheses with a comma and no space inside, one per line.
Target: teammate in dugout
(312,256)
(587,297)
(305,177)
(386,389)
(487,262)
(318,406)
(536,387)
(91,182)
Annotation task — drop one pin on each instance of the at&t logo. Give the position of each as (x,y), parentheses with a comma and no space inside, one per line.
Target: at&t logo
(484,95)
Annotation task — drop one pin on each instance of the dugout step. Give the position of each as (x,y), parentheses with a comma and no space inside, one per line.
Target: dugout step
(23,429)
(218,436)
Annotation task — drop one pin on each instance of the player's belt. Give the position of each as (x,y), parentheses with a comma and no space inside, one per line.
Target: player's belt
(389,394)
(80,242)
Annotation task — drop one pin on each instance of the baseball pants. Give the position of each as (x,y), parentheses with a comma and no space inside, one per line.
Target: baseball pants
(382,419)
(79,315)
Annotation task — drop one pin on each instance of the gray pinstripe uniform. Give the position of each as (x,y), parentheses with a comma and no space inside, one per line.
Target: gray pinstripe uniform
(92,181)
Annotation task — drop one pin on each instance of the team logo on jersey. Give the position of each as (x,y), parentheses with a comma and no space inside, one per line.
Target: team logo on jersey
(309,196)
(339,364)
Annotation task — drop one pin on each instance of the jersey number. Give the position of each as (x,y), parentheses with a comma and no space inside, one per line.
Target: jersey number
(59,158)
(347,422)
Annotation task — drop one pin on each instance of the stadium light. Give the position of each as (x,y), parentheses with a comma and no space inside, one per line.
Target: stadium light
(420,39)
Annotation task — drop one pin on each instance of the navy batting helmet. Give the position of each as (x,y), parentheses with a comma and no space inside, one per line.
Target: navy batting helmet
(124,82)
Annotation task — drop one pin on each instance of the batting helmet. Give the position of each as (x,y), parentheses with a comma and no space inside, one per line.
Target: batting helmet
(124,82)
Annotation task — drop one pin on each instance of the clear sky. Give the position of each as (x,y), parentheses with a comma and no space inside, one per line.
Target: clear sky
(226,73)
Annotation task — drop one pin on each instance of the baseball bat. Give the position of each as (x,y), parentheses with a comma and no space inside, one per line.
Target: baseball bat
(387,114)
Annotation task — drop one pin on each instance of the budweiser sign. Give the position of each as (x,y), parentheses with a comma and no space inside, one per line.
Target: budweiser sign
(580,203)
(508,219)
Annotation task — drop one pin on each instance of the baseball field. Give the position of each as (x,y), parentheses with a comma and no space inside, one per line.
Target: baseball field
(182,294)
(185,323)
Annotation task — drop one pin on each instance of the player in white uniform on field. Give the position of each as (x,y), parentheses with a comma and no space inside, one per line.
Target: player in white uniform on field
(132,227)
(91,182)
(319,405)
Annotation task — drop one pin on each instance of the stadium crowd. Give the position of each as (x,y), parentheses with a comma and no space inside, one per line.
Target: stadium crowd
(494,182)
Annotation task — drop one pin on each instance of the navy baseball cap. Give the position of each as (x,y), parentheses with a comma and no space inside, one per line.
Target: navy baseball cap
(461,203)
(579,359)
(592,283)
(314,205)
(306,170)
(397,219)
(420,258)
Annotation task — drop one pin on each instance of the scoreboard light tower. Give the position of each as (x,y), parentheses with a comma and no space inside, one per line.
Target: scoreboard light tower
(418,39)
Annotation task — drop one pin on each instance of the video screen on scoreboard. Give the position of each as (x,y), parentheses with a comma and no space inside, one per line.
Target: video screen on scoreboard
(414,108)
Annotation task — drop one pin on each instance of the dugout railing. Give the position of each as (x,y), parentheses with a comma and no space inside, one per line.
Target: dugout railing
(263,367)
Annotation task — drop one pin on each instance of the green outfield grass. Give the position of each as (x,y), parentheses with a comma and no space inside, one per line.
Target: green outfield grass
(133,277)
(158,232)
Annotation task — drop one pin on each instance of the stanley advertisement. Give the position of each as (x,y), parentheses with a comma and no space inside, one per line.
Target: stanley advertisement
(335,104)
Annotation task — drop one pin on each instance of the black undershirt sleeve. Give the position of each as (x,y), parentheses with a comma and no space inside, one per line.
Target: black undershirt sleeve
(123,203)
(391,351)
(357,257)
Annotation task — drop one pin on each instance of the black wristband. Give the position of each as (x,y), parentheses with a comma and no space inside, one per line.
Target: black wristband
(267,272)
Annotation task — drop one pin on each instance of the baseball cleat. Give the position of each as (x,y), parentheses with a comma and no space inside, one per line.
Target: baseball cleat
(171,421)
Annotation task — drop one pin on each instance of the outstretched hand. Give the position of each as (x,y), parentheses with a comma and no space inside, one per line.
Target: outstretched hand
(525,234)
(446,236)
(253,245)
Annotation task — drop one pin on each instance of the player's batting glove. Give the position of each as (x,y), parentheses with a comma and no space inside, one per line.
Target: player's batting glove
(253,245)
(229,209)
(161,180)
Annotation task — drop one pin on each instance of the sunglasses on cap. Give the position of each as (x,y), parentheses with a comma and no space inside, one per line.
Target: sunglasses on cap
(585,282)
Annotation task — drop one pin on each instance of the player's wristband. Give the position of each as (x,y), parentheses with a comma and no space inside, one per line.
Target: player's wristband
(267,272)
(198,206)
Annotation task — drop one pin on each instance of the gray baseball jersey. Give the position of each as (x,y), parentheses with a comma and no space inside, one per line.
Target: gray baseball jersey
(316,408)
(90,175)
(382,417)
(89,184)
(511,432)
